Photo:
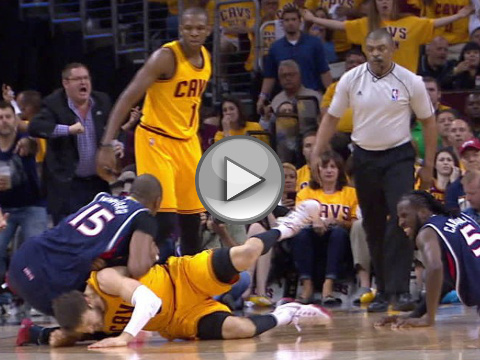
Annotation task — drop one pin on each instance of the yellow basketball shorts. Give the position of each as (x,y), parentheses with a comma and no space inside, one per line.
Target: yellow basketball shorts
(174,163)
(195,284)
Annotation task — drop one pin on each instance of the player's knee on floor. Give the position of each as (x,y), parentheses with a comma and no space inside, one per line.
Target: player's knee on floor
(210,326)
(223,267)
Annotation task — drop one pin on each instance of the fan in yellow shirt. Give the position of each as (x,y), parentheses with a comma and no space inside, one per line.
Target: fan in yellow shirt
(408,32)
(353,58)
(303,174)
(330,234)
(456,32)
(234,122)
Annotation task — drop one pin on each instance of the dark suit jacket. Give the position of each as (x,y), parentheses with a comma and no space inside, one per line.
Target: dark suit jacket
(61,159)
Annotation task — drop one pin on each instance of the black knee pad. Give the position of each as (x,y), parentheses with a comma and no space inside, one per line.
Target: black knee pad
(210,326)
(222,266)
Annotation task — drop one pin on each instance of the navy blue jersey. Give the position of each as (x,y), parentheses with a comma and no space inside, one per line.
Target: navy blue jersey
(460,241)
(64,254)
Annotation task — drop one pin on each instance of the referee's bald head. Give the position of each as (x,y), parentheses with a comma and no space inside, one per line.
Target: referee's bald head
(381,34)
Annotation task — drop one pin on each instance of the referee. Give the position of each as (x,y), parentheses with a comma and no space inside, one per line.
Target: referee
(383,95)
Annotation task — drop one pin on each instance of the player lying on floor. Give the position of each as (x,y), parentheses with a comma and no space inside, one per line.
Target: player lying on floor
(176,299)
(449,243)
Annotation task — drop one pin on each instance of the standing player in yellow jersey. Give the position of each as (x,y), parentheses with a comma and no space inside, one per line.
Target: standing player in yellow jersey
(408,32)
(166,143)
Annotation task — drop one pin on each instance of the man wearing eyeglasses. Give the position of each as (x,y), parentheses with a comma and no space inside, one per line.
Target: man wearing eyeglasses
(72,120)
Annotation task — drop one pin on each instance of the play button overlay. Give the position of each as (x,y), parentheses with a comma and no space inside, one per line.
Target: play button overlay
(239,180)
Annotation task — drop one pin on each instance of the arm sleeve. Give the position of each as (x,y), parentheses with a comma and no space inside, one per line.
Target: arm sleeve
(269,65)
(356,30)
(322,58)
(420,100)
(425,30)
(145,223)
(341,99)
(43,124)
(60,130)
(328,96)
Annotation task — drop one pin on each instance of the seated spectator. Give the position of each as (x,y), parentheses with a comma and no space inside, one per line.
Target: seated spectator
(304,174)
(470,157)
(306,50)
(258,294)
(444,121)
(446,170)
(472,111)
(234,121)
(467,70)
(471,185)
(290,78)
(325,35)
(475,34)
(19,184)
(460,131)
(353,58)
(434,63)
(327,242)
(435,94)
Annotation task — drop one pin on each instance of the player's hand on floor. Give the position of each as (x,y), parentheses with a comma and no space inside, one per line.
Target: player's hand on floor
(59,338)
(406,323)
(386,320)
(118,341)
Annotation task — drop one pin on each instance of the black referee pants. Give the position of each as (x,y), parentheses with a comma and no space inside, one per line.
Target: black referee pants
(381,178)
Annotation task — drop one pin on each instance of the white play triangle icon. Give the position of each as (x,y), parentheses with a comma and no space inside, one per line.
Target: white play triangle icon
(238,179)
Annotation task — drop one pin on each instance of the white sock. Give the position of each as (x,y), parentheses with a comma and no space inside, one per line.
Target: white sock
(285,232)
(282,317)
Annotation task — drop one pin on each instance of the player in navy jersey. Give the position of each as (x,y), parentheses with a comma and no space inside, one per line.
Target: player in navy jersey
(114,229)
(450,245)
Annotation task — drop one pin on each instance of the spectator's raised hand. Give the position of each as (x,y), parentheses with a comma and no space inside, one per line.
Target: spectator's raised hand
(307,15)
(3,220)
(76,129)
(135,115)
(7,93)
(26,146)
(466,11)
(118,149)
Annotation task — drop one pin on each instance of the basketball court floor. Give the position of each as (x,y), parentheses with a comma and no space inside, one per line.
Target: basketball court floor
(350,336)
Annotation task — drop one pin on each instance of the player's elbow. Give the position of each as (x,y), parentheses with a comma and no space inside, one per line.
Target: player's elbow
(137,269)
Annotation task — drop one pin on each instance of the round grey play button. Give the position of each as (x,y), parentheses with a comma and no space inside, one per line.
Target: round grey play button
(239,180)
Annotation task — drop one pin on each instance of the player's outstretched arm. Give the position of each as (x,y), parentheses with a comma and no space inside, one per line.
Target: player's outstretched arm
(146,304)
(160,65)
(143,253)
(427,243)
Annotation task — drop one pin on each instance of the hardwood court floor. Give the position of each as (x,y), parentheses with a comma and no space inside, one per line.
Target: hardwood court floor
(351,336)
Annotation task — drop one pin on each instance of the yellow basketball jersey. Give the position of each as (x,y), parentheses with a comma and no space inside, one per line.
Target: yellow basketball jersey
(303,177)
(118,312)
(346,120)
(341,205)
(408,33)
(456,32)
(171,106)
